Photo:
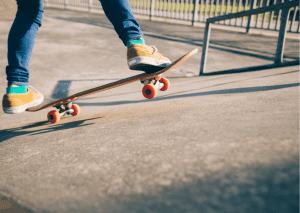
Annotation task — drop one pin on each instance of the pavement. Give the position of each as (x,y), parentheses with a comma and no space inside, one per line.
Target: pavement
(212,143)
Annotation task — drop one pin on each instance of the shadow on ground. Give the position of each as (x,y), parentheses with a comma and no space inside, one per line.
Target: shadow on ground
(41,128)
(216,92)
(10,206)
(260,190)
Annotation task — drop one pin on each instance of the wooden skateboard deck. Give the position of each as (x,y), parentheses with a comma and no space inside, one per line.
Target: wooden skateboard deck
(65,105)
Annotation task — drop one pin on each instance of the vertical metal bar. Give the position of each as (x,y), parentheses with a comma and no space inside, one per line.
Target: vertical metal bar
(205,13)
(253,5)
(293,20)
(257,16)
(211,8)
(195,12)
(177,7)
(170,5)
(232,11)
(201,15)
(278,18)
(148,7)
(152,9)
(265,15)
(185,9)
(282,36)
(245,8)
(161,6)
(90,5)
(217,8)
(141,6)
(66,4)
(165,8)
(173,8)
(222,8)
(239,10)
(137,6)
(271,17)
(181,9)
(205,47)
(191,10)
(227,10)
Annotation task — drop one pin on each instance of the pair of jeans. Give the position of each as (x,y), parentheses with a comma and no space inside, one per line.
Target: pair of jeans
(28,20)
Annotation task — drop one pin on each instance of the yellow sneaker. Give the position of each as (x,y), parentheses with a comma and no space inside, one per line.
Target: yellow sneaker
(145,58)
(17,103)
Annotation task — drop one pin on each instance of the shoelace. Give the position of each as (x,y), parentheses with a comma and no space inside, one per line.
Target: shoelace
(34,89)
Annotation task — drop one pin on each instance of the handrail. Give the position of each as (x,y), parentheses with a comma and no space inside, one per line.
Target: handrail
(285,7)
(255,11)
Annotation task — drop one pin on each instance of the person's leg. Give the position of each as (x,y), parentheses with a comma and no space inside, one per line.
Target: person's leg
(139,55)
(120,15)
(21,40)
(20,44)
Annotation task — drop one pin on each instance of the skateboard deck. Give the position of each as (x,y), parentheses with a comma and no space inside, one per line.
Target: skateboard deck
(152,82)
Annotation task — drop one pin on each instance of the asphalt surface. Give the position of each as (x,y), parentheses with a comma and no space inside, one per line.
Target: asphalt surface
(217,143)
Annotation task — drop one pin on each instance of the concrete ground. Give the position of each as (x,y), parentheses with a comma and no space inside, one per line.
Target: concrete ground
(218,143)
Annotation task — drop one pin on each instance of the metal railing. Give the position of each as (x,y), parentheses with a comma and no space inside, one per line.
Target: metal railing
(197,11)
(278,62)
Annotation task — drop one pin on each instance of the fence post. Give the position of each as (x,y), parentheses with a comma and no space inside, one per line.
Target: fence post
(66,4)
(90,5)
(282,36)
(253,4)
(205,47)
(195,11)
(46,2)
(152,9)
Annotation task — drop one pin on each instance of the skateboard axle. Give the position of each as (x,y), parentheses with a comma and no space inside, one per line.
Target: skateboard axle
(154,81)
(65,109)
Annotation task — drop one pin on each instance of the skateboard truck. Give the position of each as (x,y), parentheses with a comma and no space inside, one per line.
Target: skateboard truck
(154,84)
(63,109)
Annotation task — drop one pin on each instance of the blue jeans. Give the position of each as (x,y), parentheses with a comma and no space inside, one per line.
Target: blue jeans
(28,20)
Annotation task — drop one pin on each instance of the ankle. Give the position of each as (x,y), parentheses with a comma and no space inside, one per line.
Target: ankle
(13,85)
(16,89)
(138,41)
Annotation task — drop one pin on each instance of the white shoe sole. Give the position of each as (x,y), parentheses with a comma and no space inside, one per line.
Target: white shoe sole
(19,109)
(143,60)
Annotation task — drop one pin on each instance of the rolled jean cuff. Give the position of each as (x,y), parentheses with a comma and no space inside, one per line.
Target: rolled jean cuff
(17,83)
(17,75)
(131,38)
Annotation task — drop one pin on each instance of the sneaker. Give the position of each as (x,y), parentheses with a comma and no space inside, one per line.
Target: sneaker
(145,58)
(17,103)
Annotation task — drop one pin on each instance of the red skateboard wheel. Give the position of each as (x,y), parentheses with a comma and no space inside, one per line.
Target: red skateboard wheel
(76,109)
(149,91)
(166,83)
(53,116)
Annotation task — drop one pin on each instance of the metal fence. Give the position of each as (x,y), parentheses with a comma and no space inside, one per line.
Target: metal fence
(197,11)
(278,61)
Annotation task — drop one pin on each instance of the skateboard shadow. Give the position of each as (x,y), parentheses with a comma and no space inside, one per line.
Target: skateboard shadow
(42,128)
(197,94)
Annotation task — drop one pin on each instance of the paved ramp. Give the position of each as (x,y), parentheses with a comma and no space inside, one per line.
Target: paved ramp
(220,143)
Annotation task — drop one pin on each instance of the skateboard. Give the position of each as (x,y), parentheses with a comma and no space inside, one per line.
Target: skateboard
(152,82)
